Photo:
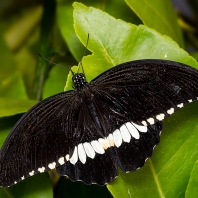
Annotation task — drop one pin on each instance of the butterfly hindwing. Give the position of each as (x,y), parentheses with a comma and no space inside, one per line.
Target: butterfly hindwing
(100,170)
(132,156)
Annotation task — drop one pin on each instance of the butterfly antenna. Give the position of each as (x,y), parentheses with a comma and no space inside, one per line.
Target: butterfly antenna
(84,54)
(55,63)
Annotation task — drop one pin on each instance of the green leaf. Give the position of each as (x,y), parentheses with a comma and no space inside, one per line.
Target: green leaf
(6,124)
(69,82)
(14,36)
(65,21)
(55,81)
(166,174)
(11,83)
(12,86)
(158,15)
(118,9)
(194,55)
(32,187)
(27,71)
(47,24)
(3,134)
(192,188)
(5,54)
(10,106)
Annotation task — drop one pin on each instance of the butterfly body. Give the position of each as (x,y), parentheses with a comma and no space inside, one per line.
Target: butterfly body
(114,120)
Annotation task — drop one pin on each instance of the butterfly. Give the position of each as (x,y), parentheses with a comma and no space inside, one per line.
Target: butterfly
(113,121)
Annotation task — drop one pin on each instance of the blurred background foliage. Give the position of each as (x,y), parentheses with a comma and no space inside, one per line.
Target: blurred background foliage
(31,27)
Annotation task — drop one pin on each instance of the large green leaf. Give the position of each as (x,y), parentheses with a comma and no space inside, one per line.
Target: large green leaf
(158,15)
(192,189)
(11,106)
(166,174)
(65,20)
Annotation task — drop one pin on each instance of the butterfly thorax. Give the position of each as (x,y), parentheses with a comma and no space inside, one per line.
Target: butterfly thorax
(79,80)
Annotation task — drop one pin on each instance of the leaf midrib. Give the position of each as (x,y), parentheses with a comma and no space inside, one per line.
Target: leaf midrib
(159,188)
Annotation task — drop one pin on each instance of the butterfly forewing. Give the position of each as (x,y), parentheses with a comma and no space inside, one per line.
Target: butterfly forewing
(40,139)
(151,89)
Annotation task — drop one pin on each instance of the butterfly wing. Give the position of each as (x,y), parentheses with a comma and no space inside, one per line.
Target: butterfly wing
(86,135)
(125,98)
(40,140)
(151,89)
(90,162)
(109,140)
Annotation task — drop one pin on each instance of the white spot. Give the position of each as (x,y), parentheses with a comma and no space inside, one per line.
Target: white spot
(165,55)
(125,133)
(31,173)
(142,129)
(170,111)
(41,170)
(111,141)
(160,116)
(89,150)
(97,147)
(61,160)
(117,138)
(52,165)
(133,131)
(190,100)
(144,123)
(22,178)
(81,153)
(180,105)
(15,182)
(67,157)
(151,120)
(74,157)
(104,143)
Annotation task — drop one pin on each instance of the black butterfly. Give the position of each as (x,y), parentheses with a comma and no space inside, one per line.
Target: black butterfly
(115,120)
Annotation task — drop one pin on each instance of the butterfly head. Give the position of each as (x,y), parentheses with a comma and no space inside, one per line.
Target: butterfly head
(79,80)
